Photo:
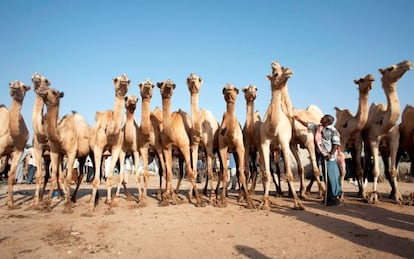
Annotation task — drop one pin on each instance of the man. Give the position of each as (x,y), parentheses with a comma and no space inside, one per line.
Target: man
(327,140)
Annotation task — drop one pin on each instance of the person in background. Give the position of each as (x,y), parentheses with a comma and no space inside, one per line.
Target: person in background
(20,166)
(327,140)
(31,166)
(232,171)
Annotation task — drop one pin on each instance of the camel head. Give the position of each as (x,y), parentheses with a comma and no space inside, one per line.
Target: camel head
(18,90)
(250,93)
(194,83)
(393,73)
(121,85)
(230,93)
(166,88)
(365,83)
(131,103)
(279,76)
(146,88)
(51,97)
(39,81)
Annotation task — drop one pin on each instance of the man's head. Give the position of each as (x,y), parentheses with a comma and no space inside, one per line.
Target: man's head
(327,120)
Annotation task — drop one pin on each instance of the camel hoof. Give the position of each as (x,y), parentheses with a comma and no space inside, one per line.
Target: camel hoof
(131,198)
(164,203)
(67,210)
(299,206)
(87,214)
(250,205)
(13,207)
(109,211)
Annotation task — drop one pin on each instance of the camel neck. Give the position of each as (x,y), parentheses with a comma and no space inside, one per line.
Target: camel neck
(16,122)
(275,108)
(249,115)
(117,118)
(393,106)
(51,123)
(362,113)
(166,112)
(37,116)
(195,112)
(145,115)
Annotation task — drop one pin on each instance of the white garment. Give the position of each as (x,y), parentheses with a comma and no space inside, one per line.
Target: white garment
(107,165)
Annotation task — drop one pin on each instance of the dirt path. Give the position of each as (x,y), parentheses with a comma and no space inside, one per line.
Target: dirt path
(352,230)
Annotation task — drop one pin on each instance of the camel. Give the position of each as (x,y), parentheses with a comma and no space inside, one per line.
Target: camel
(68,137)
(406,129)
(13,133)
(41,143)
(149,136)
(230,139)
(381,120)
(106,135)
(251,135)
(205,128)
(276,129)
(175,133)
(129,144)
(306,139)
(350,127)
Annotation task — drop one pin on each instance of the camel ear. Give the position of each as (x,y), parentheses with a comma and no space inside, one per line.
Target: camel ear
(26,88)
(381,71)
(126,98)
(115,79)
(159,84)
(269,77)
(200,80)
(129,81)
(173,86)
(356,81)
(237,90)
(48,82)
(244,89)
(224,89)
(61,94)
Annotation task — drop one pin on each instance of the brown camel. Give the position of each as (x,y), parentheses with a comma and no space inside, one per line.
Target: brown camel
(149,138)
(129,145)
(350,127)
(251,135)
(381,120)
(13,133)
(230,139)
(406,129)
(68,137)
(41,143)
(106,135)
(175,133)
(276,130)
(205,128)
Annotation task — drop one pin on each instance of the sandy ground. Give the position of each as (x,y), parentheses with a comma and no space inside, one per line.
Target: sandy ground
(352,230)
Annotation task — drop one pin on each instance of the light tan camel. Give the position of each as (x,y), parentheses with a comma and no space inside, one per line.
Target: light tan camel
(129,145)
(41,143)
(381,119)
(106,135)
(13,133)
(306,139)
(230,139)
(149,138)
(205,128)
(175,133)
(68,137)
(406,129)
(350,127)
(276,130)
(251,135)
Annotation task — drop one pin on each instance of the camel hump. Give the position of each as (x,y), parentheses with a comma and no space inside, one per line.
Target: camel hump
(315,110)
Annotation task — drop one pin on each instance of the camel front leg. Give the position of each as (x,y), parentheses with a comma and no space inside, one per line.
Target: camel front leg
(265,169)
(357,160)
(394,172)
(301,170)
(67,182)
(109,180)
(210,176)
(40,177)
(242,176)
(289,176)
(222,203)
(373,197)
(12,173)
(192,177)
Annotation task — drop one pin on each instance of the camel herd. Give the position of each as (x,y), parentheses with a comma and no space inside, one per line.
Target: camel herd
(167,134)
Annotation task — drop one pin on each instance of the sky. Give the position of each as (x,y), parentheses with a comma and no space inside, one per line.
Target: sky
(80,46)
